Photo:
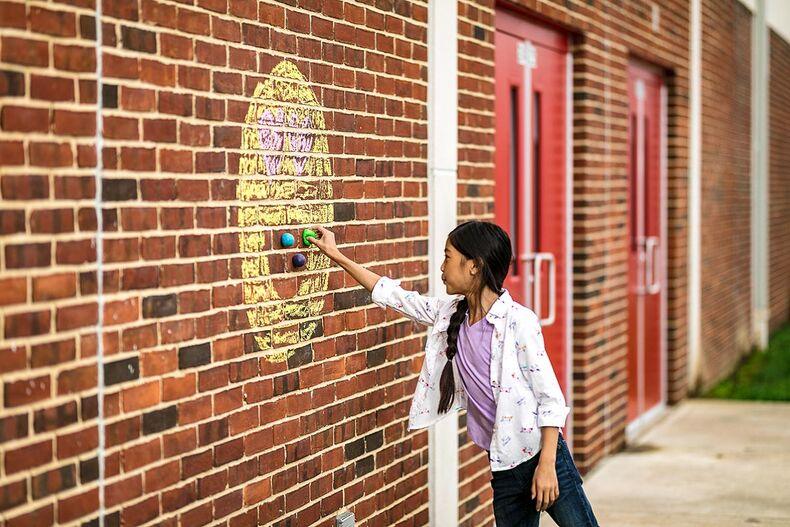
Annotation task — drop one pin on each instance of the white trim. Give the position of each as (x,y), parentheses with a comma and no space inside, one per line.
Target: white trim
(97,204)
(528,177)
(569,243)
(664,243)
(694,194)
(443,465)
(759,217)
(644,422)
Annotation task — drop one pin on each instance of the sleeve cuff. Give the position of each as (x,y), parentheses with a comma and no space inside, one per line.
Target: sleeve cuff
(383,289)
(552,416)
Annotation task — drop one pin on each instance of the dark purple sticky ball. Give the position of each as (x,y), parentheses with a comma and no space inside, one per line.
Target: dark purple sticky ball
(298,260)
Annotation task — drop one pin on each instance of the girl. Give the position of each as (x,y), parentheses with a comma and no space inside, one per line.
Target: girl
(515,407)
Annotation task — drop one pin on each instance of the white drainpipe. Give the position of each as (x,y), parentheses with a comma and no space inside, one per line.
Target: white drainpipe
(442,179)
(694,194)
(759,177)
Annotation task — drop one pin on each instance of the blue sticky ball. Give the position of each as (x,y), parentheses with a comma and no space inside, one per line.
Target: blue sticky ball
(298,260)
(287,239)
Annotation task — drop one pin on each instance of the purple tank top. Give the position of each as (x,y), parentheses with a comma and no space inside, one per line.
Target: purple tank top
(473,361)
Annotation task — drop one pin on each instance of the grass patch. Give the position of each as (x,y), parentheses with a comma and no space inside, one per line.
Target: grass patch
(761,376)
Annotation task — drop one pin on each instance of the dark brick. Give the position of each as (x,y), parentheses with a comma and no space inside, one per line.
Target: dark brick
(160,420)
(89,408)
(138,39)
(121,371)
(343,211)
(376,357)
(89,470)
(13,427)
(193,356)
(109,94)
(363,466)
(119,189)
(88,27)
(160,306)
(57,417)
(12,83)
(355,448)
(353,298)
(286,383)
(318,331)
(374,440)
(302,355)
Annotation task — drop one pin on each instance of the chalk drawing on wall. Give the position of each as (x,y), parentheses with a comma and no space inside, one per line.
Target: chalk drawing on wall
(283,186)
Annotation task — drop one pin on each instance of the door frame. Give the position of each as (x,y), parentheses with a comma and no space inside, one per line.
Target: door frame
(642,423)
(569,326)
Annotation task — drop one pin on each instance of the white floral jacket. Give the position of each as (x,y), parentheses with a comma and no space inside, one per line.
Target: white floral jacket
(523,382)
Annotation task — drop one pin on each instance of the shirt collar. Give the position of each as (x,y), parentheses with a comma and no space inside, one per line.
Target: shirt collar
(500,306)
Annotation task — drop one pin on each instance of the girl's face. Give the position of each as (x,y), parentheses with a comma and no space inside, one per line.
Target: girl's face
(458,272)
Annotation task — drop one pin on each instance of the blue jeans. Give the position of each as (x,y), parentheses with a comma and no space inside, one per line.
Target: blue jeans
(513,503)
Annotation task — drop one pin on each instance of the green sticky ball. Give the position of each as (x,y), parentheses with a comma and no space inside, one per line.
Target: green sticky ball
(306,235)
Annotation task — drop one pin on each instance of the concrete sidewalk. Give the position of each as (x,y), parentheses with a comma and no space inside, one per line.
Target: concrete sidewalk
(707,463)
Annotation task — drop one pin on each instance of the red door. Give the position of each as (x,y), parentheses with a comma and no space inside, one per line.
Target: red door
(532,189)
(647,240)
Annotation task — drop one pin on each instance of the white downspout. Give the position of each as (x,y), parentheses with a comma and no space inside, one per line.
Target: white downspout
(442,192)
(694,195)
(759,178)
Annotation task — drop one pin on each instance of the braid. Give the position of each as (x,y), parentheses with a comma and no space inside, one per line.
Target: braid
(447,381)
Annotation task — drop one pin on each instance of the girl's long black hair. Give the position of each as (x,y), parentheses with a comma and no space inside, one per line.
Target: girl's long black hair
(489,246)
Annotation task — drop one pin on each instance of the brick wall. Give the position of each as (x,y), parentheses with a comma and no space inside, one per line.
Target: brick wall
(726,153)
(779,181)
(236,389)
(604,34)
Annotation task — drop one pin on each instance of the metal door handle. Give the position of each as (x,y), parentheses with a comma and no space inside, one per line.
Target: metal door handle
(537,259)
(652,281)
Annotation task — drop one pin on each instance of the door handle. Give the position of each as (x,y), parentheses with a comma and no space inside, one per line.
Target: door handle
(652,281)
(537,259)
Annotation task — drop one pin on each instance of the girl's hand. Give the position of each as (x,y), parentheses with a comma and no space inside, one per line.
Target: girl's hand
(545,488)
(326,243)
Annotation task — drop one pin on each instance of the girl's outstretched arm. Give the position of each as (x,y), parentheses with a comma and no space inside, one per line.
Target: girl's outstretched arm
(385,291)
(326,243)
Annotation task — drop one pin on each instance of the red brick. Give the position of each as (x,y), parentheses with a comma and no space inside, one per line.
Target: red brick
(74,58)
(138,99)
(158,73)
(77,380)
(18,393)
(24,51)
(79,505)
(58,23)
(175,46)
(72,317)
(13,291)
(140,397)
(53,287)
(50,154)
(75,252)
(76,443)
(193,22)
(52,221)
(28,457)
(124,490)
(138,159)
(12,153)
(51,88)
(75,123)
(51,353)
(179,161)
(12,14)
(24,119)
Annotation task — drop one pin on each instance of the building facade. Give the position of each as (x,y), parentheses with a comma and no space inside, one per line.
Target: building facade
(165,358)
